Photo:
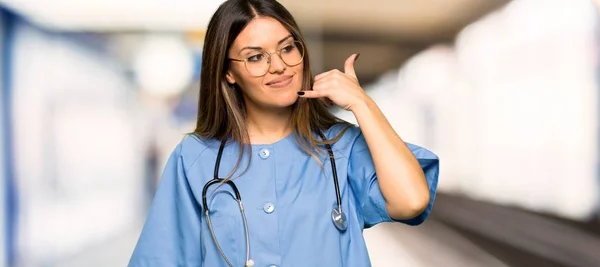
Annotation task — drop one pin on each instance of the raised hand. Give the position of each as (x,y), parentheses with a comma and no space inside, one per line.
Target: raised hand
(341,88)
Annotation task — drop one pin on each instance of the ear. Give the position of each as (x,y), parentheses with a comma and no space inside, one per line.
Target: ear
(229,77)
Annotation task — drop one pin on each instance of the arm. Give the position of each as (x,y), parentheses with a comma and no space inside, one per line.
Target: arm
(399,174)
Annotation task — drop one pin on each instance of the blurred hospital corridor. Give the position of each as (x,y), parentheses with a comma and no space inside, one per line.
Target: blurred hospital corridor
(460,233)
(95,94)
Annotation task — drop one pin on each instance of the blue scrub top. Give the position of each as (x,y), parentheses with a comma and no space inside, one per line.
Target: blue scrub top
(287,196)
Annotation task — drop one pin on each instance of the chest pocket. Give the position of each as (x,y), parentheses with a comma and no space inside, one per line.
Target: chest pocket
(227,228)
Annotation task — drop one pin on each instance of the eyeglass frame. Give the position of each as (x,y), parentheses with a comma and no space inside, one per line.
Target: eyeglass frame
(278,52)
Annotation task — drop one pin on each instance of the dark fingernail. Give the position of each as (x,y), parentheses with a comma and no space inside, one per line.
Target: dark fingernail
(300,93)
(356,57)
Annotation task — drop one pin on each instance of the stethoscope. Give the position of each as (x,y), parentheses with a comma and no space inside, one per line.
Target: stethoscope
(337,215)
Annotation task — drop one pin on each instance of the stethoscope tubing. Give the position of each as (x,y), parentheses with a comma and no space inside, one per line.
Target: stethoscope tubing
(338,219)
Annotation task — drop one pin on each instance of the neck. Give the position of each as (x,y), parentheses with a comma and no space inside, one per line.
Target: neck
(268,126)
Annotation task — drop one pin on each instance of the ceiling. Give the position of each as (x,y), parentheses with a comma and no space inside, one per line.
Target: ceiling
(385,32)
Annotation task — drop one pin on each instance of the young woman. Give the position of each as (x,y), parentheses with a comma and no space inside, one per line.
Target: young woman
(270,177)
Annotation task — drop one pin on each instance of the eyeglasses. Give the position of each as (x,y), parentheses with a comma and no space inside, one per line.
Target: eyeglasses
(259,62)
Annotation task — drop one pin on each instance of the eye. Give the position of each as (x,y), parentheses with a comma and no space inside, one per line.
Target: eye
(256,58)
(288,48)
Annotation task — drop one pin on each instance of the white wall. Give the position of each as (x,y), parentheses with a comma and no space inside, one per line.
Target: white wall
(79,161)
(2,163)
(533,70)
(514,107)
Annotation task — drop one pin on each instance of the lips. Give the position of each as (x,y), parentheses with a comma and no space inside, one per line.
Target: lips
(280,80)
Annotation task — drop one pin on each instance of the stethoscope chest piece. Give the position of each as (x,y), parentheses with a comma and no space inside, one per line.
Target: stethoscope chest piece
(339,218)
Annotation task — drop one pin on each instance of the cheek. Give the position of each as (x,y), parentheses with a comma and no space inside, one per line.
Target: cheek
(244,80)
(299,75)
(251,86)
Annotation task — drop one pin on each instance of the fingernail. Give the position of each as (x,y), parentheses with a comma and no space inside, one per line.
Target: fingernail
(300,93)
(356,57)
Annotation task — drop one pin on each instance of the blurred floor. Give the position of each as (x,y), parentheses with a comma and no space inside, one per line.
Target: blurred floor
(115,252)
(461,232)
(429,245)
(519,237)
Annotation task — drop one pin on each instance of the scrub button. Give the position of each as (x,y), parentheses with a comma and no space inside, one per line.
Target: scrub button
(264,153)
(269,208)
(272,265)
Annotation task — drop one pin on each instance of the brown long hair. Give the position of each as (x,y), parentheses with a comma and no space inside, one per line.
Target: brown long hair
(221,109)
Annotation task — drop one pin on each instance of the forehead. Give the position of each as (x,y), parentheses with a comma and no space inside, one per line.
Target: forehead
(262,32)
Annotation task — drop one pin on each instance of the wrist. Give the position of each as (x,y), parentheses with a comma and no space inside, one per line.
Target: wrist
(362,105)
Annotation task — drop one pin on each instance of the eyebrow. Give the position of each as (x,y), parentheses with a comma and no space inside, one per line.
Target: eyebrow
(260,48)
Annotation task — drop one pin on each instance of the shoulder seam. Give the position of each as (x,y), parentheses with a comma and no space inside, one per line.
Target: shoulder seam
(351,142)
(197,156)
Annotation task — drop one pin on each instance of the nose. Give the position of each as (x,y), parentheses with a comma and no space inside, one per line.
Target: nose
(277,65)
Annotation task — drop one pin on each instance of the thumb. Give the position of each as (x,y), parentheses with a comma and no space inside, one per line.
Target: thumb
(349,65)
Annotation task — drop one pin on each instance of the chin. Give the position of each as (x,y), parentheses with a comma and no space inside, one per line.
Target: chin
(284,101)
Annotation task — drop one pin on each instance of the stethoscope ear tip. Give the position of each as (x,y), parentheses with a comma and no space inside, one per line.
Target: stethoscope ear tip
(249,263)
